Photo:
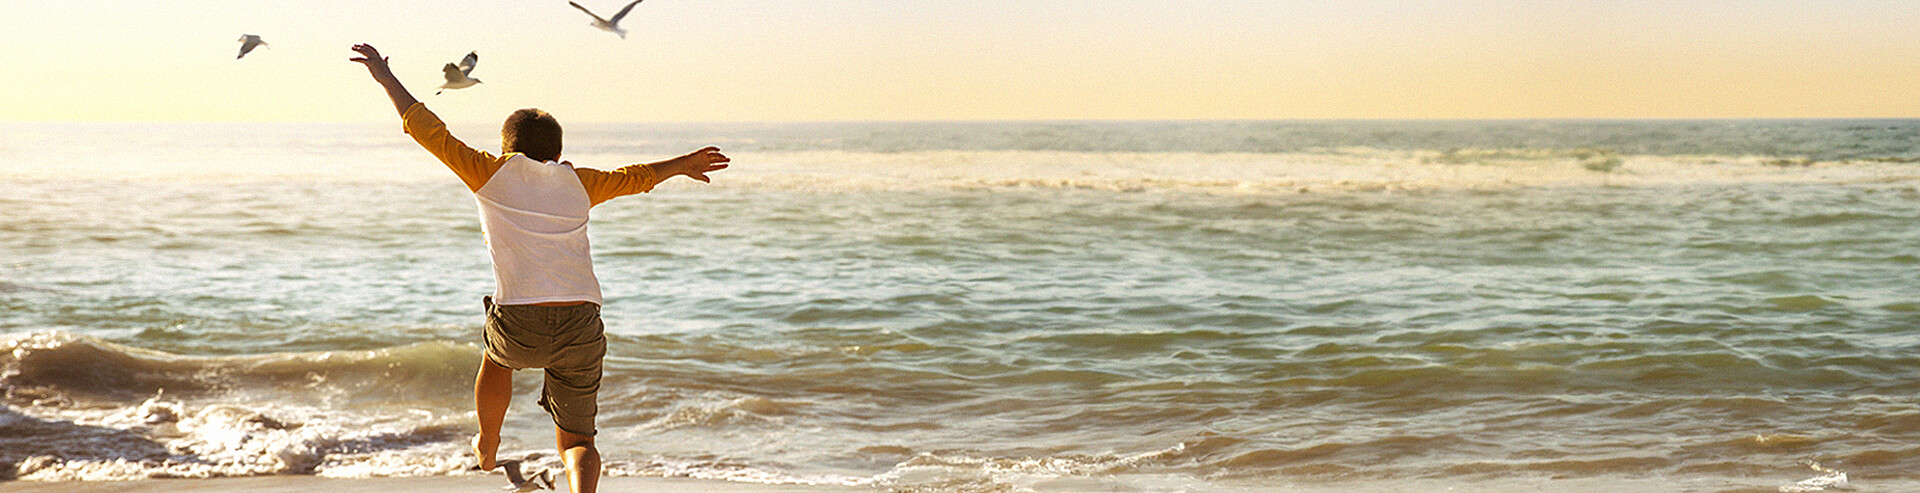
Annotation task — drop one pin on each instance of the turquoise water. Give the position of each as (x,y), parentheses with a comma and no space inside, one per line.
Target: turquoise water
(992,306)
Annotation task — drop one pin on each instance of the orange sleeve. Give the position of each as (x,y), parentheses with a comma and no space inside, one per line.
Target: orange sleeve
(628,180)
(473,166)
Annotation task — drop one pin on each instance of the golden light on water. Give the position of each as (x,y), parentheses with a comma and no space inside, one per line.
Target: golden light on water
(736,60)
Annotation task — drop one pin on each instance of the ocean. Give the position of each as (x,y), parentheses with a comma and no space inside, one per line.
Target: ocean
(1711,305)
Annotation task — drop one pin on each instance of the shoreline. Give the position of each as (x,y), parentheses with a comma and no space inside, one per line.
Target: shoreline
(423,484)
(650,484)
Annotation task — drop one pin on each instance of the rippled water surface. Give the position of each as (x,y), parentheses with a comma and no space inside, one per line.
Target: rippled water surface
(874,306)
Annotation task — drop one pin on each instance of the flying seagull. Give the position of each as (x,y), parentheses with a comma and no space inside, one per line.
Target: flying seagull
(247,43)
(610,25)
(457,74)
(524,484)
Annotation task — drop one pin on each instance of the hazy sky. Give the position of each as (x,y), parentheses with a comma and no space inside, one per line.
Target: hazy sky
(780,60)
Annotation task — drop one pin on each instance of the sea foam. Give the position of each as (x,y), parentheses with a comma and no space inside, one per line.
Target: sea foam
(74,414)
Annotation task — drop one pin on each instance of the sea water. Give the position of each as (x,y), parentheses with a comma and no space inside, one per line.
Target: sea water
(999,306)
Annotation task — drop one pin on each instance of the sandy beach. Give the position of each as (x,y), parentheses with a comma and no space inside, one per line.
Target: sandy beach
(448,484)
(415,485)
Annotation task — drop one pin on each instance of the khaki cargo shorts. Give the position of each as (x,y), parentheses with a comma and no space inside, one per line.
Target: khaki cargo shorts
(569,342)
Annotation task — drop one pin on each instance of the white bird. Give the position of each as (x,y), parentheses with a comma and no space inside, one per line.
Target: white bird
(247,43)
(523,484)
(457,75)
(610,25)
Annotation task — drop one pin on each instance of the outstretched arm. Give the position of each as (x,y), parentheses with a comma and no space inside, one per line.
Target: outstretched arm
(638,178)
(377,65)
(473,166)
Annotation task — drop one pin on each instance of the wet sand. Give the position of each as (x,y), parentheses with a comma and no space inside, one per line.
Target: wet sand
(493,483)
(438,484)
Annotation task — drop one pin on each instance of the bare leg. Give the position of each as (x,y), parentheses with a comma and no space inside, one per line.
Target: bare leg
(583,461)
(492,391)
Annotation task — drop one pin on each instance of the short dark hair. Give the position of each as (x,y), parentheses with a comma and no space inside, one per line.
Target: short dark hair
(533,133)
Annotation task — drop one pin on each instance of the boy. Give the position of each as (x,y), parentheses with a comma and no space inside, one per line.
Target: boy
(545,310)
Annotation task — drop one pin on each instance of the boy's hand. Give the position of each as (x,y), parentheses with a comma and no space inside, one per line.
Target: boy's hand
(377,65)
(368,55)
(696,164)
(371,58)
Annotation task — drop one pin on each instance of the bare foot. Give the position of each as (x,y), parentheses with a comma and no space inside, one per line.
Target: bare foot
(484,448)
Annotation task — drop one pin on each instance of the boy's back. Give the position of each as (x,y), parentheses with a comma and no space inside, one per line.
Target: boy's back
(535,219)
(534,213)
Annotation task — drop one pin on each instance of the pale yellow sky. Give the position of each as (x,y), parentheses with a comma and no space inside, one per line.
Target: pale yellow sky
(774,60)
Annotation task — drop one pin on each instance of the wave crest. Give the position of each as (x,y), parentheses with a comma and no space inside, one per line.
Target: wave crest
(60,368)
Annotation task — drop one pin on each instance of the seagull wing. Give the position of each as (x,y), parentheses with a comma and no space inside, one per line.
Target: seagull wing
(248,43)
(589,12)
(623,12)
(467,64)
(522,483)
(512,468)
(454,74)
